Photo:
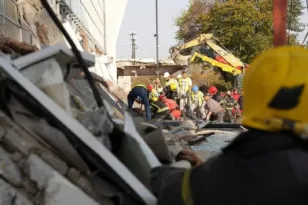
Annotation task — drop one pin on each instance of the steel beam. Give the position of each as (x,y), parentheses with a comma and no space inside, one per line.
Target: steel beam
(148,70)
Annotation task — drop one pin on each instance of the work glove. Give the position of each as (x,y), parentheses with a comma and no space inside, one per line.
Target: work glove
(207,118)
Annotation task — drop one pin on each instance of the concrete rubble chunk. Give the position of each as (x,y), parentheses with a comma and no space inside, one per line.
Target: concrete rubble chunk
(50,137)
(16,142)
(54,161)
(57,189)
(8,169)
(99,124)
(9,195)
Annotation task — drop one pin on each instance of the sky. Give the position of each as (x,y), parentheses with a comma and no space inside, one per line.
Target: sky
(140,17)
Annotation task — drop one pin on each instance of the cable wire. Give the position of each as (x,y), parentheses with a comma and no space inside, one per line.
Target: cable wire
(76,52)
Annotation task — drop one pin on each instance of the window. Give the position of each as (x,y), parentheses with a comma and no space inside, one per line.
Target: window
(10,23)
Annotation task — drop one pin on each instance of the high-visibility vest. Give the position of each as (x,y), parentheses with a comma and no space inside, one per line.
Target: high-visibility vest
(152,94)
(197,99)
(158,109)
(184,87)
(168,83)
(141,85)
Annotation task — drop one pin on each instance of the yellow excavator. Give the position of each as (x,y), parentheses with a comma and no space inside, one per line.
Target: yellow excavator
(209,52)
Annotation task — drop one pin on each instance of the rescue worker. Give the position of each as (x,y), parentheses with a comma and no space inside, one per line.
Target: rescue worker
(159,109)
(169,80)
(196,103)
(152,91)
(172,93)
(157,85)
(214,111)
(267,163)
(140,94)
(172,105)
(185,84)
(215,94)
(228,104)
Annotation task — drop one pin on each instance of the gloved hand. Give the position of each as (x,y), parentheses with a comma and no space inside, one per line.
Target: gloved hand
(208,117)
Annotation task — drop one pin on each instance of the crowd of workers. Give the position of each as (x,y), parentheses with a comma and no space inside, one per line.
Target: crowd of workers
(177,97)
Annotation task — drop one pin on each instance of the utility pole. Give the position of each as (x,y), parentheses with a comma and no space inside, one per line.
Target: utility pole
(134,44)
(157,40)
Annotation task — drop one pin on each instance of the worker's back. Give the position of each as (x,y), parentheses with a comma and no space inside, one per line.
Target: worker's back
(257,168)
(269,169)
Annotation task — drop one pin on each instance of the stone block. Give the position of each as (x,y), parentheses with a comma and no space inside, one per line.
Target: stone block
(57,189)
(9,195)
(54,161)
(16,142)
(74,176)
(9,169)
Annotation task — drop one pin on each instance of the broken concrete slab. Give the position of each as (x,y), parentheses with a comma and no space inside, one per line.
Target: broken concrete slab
(9,195)
(99,124)
(57,189)
(9,169)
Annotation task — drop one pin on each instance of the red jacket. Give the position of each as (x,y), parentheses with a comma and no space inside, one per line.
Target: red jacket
(170,103)
(172,107)
(236,96)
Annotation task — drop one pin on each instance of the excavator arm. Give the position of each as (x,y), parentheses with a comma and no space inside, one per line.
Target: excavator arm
(201,39)
(225,67)
(208,39)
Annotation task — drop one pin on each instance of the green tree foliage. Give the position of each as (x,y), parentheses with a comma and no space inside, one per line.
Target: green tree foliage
(295,10)
(245,27)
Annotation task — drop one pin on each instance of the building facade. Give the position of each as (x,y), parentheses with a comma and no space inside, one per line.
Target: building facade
(93,24)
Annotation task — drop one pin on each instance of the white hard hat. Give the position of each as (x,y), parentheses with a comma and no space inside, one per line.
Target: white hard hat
(179,76)
(166,74)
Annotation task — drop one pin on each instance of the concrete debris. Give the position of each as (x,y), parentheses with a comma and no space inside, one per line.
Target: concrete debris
(10,195)
(45,163)
(98,123)
(57,189)
(9,169)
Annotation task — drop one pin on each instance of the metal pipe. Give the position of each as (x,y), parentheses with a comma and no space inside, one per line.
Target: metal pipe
(280,22)
(157,39)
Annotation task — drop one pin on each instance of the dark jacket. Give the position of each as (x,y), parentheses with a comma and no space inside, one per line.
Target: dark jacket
(256,168)
(228,103)
(217,97)
(143,93)
(159,108)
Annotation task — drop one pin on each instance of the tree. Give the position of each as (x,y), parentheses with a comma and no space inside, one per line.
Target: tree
(245,27)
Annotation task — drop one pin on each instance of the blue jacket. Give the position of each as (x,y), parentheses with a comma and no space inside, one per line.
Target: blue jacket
(143,94)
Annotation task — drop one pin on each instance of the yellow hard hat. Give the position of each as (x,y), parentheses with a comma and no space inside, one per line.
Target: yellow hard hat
(276,96)
(172,86)
(154,99)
